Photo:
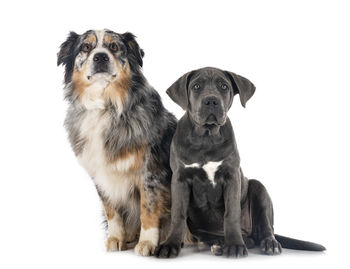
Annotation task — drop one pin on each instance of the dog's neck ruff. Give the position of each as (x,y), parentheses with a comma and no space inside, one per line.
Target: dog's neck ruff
(93,96)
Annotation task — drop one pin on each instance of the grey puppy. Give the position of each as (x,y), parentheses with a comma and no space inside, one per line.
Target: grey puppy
(221,206)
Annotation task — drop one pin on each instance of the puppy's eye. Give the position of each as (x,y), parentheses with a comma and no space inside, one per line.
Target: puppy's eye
(223,86)
(113,46)
(86,47)
(196,86)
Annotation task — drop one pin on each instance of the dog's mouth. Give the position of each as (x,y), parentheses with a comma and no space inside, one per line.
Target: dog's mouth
(212,121)
(210,126)
(101,75)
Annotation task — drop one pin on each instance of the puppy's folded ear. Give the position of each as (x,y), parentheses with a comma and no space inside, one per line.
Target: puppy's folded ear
(242,86)
(66,49)
(178,92)
(133,47)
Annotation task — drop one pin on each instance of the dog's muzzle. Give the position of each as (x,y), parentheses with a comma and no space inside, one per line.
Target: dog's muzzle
(212,110)
(211,102)
(101,62)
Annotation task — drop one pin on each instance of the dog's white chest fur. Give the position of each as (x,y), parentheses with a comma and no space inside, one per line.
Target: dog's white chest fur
(210,168)
(93,155)
(112,178)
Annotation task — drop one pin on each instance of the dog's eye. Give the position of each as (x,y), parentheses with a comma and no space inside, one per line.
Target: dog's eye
(196,86)
(223,86)
(113,47)
(86,47)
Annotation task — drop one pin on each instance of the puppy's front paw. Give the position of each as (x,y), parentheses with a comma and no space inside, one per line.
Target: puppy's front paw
(236,250)
(270,246)
(114,244)
(145,248)
(167,250)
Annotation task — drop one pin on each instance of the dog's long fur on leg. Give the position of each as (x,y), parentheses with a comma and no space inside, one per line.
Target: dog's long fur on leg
(120,133)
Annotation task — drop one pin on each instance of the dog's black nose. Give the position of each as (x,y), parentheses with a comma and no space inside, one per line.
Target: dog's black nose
(101,57)
(211,101)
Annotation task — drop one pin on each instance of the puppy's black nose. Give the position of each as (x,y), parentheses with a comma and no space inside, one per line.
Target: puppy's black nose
(211,101)
(101,57)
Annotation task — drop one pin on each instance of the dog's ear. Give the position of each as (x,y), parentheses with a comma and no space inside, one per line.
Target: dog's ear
(241,86)
(133,47)
(67,49)
(178,92)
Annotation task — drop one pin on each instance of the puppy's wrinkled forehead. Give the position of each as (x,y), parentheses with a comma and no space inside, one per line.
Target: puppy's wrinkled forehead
(207,76)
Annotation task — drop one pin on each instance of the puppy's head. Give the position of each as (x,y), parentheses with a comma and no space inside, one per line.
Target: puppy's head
(98,56)
(207,94)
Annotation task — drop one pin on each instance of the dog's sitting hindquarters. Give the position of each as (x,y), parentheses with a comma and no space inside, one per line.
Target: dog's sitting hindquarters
(209,191)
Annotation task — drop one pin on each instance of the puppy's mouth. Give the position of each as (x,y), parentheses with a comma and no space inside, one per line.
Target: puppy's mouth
(212,121)
(210,126)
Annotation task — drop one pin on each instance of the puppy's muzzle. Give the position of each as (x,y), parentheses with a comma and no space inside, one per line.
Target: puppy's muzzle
(101,62)
(211,102)
(212,110)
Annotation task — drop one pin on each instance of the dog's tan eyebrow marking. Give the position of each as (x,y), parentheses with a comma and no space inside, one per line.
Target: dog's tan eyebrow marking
(91,39)
(108,38)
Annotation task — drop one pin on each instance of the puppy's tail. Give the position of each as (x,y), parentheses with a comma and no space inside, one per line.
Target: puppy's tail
(292,243)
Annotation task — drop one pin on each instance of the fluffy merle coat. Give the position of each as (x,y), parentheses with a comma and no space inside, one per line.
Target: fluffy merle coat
(121,134)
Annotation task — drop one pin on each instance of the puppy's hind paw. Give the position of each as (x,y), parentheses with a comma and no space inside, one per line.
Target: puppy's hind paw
(270,246)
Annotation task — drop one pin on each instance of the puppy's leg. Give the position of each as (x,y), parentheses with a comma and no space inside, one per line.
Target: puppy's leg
(234,243)
(180,196)
(153,206)
(262,215)
(116,232)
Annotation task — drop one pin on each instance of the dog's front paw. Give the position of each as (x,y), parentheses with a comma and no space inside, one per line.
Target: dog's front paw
(270,246)
(167,250)
(145,248)
(236,250)
(114,244)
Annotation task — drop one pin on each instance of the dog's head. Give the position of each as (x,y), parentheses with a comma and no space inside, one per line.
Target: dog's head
(98,56)
(207,94)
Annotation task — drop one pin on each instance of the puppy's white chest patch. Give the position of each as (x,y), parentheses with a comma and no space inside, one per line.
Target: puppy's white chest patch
(192,165)
(210,169)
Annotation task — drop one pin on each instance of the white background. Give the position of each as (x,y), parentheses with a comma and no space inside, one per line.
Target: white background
(293,135)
